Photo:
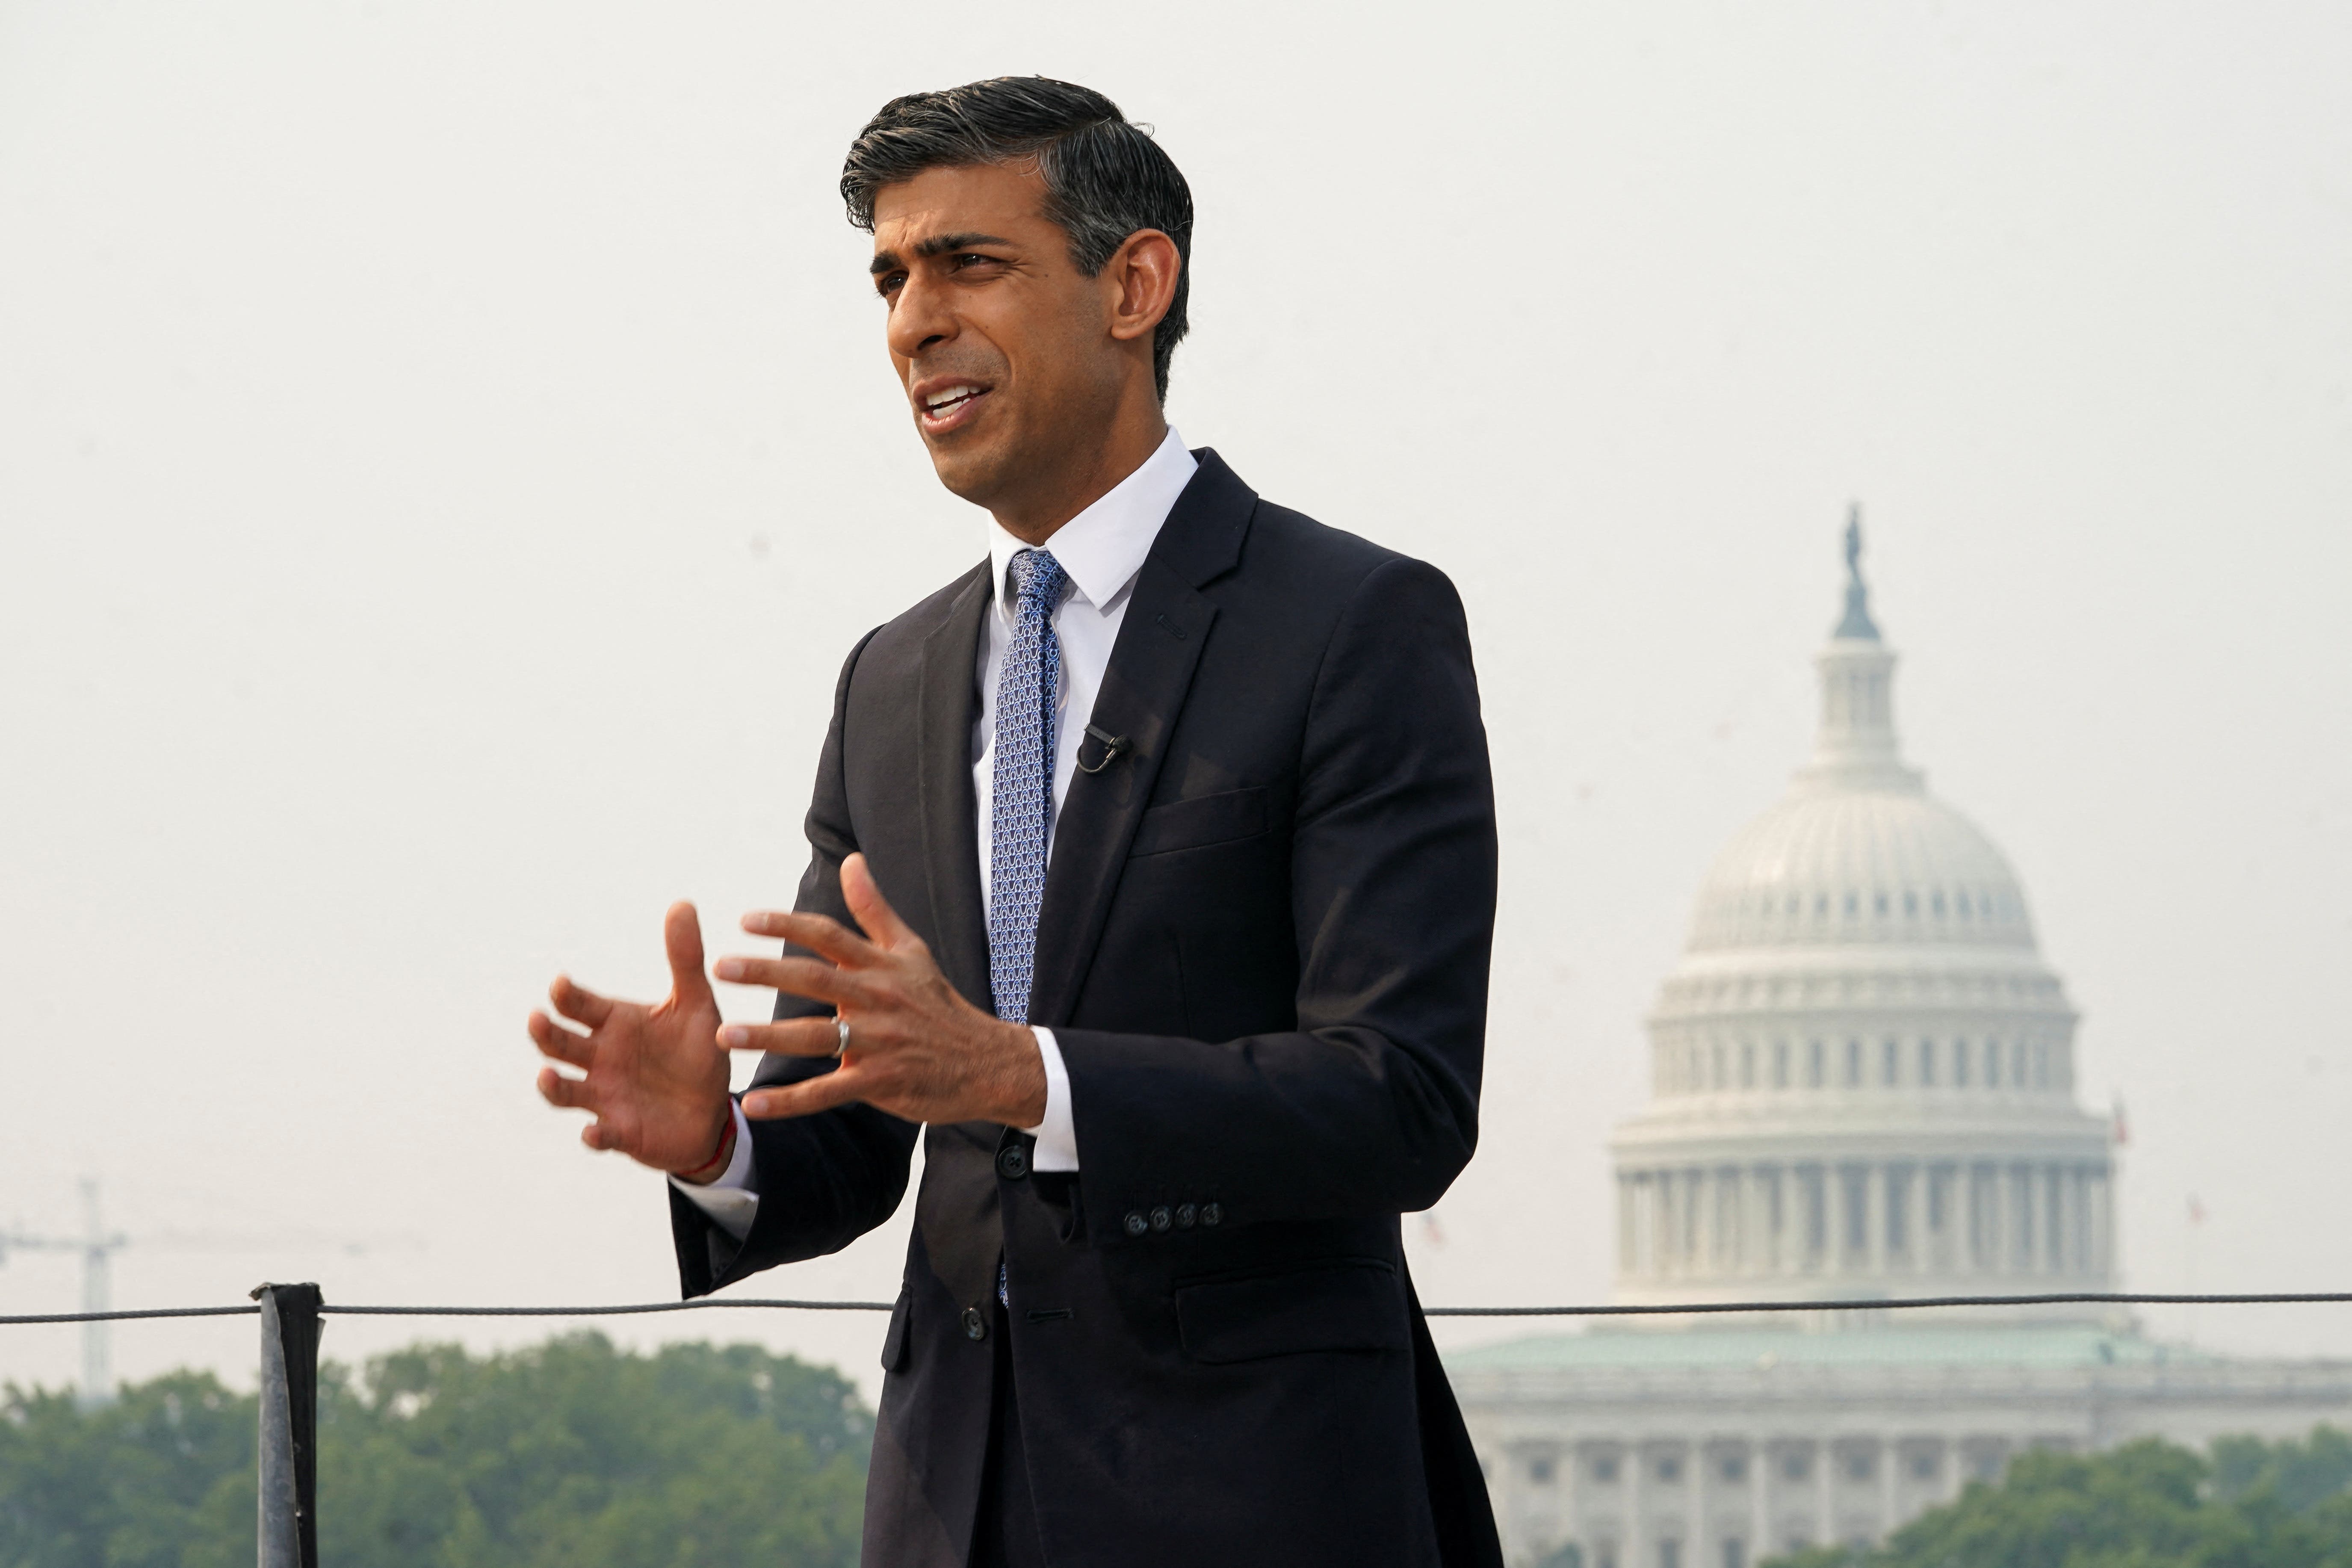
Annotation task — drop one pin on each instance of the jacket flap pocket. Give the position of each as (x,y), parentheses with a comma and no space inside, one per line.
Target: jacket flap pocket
(1207,820)
(894,1342)
(1352,1304)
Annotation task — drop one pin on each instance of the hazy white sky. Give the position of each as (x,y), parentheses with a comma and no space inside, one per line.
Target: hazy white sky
(445,451)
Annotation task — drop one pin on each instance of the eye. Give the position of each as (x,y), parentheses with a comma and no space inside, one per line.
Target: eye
(889,283)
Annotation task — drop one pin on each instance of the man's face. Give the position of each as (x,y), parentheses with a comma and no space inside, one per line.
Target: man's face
(1003,346)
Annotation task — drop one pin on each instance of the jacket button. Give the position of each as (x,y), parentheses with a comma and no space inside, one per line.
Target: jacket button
(1135,1223)
(1211,1213)
(1185,1214)
(1012,1162)
(975,1327)
(1161,1218)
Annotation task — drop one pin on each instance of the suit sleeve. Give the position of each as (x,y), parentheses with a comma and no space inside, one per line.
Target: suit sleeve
(1370,1106)
(825,1180)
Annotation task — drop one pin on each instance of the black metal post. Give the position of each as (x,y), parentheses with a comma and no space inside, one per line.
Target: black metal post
(289,1426)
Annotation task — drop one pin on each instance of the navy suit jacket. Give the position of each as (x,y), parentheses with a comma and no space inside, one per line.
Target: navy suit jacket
(1263,949)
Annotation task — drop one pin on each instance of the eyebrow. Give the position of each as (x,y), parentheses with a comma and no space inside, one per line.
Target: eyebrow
(937,244)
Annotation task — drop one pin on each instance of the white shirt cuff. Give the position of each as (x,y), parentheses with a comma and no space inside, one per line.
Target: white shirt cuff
(730,1201)
(1057,1137)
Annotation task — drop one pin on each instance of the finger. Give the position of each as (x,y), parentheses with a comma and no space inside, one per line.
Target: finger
(807,1097)
(578,1002)
(682,938)
(801,976)
(567,1093)
(821,934)
(790,1038)
(863,896)
(599,1137)
(555,1040)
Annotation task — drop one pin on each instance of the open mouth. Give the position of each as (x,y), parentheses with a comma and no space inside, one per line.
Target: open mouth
(944,408)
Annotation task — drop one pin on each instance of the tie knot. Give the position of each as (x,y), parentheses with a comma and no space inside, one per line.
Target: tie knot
(1038,578)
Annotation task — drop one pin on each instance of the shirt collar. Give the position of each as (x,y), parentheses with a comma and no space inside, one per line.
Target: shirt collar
(1103,547)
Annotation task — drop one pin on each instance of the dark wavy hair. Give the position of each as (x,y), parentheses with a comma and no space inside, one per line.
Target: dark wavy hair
(1105,176)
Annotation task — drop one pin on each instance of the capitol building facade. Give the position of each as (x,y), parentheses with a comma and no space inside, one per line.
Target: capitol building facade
(1862,1089)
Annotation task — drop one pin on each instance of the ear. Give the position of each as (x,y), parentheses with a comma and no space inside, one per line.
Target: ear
(1140,278)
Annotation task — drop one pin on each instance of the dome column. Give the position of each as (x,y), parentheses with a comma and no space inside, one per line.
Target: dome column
(1878,1196)
(1758,1261)
(1711,1238)
(1833,1195)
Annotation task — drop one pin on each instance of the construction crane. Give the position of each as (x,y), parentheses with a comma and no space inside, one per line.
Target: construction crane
(97,1246)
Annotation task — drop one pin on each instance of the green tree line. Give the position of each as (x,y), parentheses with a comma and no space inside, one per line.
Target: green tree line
(2149,1504)
(568,1453)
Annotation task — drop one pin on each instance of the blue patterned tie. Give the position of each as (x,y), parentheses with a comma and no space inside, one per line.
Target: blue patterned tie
(1020,804)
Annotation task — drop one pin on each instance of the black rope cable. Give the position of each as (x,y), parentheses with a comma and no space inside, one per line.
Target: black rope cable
(2097,1297)
(629,1309)
(130,1312)
(2056,1299)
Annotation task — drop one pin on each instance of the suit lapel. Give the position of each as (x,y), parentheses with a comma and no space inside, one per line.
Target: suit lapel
(946,706)
(1143,690)
(956,1206)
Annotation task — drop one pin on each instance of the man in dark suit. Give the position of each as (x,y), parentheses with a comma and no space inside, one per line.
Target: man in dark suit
(1152,880)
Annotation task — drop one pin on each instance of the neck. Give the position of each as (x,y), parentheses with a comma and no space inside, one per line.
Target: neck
(1087,473)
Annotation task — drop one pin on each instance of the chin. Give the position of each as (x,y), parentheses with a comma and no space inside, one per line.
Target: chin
(973,472)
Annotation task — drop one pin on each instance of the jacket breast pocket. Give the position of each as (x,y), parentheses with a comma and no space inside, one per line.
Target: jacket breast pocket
(1346,1304)
(1206,819)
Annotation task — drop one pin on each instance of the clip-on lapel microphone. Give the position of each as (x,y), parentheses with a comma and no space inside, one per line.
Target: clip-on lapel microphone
(1114,746)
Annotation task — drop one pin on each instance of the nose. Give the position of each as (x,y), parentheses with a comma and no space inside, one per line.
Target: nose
(920,317)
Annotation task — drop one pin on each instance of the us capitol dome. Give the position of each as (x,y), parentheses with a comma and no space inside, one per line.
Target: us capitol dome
(1863,1072)
(1862,1091)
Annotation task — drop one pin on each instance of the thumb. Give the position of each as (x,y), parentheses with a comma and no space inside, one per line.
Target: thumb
(682,938)
(876,918)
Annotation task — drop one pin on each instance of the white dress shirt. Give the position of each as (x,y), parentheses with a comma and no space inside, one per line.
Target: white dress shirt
(1101,551)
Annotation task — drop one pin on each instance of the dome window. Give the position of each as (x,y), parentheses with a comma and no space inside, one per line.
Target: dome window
(1959,1064)
(1890,1067)
(1821,906)
(1814,1069)
(1852,905)
(1910,906)
(1939,903)
(1853,1064)
(1879,908)
(1927,1064)
(1992,1063)
(1964,906)
(1747,1064)
(1779,1064)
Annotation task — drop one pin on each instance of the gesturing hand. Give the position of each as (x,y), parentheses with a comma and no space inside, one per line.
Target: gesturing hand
(656,1079)
(916,1048)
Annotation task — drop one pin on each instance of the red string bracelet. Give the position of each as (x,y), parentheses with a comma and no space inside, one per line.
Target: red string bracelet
(718,1159)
